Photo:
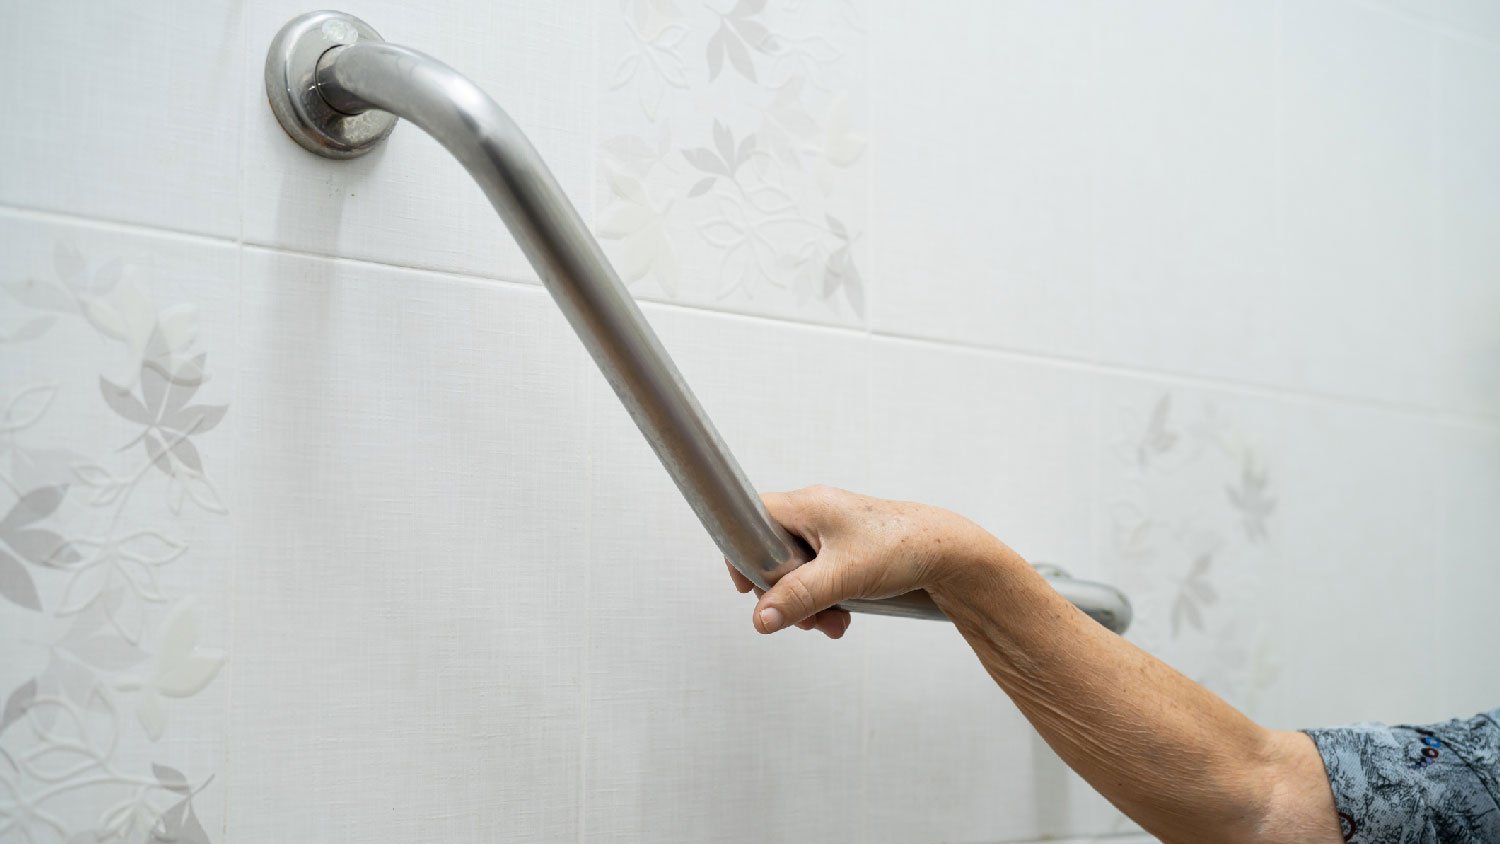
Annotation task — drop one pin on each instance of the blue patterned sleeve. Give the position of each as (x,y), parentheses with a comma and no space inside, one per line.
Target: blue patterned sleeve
(1437,783)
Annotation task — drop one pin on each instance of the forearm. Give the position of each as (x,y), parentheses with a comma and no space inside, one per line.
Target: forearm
(1170,754)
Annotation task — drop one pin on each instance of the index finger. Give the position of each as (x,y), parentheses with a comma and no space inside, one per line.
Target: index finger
(742,584)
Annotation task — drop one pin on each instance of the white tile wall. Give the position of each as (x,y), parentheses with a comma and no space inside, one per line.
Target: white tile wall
(1468,125)
(1130,287)
(733,155)
(125,111)
(124,643)
(997,255)
(1184,190)
(976,433)
(697,728)
(409,203)
(1357,194)
(413,473)
(1460,602)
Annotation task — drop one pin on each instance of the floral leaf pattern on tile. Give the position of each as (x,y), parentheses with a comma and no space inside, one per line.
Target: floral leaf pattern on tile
(1249,497)
(734,140)
(1190,521)
(80,549)
(1196,594)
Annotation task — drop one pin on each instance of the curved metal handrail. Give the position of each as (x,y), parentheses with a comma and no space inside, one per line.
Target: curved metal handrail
(337,88)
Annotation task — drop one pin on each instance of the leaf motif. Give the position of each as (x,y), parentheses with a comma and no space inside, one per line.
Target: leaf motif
(151,548)
(837,228)
(1203,591)
(127,614)
(157,452)
(625,186)
(747,8)
(757,36)
(624,71)
(149,712)
(177,327)
(92,475)
(41,546)
(833,273)
(33,507)
(170,778)
(702,186)
(110,653)
(203,492)
(191,831)
(742,155)
(723,141)
(195,418)
(30,329)
(69,265)
(187,372)
(621,221)
(28,406)
(106,277)
(629,148)
(183,668)
(1201,565)
(715,53)
(105,317)
(16,704)
(854,290)
(706,161)
(124,402)
(40,295)
(16,584)
(187,453)
(153,391)
(739,57)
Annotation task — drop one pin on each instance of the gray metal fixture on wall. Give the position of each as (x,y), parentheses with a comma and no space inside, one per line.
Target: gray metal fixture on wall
(337,88)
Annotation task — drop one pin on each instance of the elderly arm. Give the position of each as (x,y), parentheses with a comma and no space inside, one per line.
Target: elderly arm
(1176,758)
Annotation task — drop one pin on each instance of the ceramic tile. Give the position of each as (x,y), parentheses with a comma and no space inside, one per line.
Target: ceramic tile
(409,203)
(1477,18)
(1012,446)
(1007,443)
(124,111)
(1357,197)
(117,433)
(980,221)
(1191,499)
(699,728)
(414,484)
(733,155)
(1475,21)
(1468,336)
(1184,191)
(1463,601)
(1271,547)
(1357,519)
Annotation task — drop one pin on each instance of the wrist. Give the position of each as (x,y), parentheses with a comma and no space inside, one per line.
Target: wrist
(974,565)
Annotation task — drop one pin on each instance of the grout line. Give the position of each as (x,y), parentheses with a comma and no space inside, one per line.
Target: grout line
(110,224)
(1077,363)
(1208,382)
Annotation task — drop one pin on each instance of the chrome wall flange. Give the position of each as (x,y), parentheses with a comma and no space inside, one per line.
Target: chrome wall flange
(292,88)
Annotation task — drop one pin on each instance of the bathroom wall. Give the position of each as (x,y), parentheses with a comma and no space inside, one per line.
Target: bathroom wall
(319,525)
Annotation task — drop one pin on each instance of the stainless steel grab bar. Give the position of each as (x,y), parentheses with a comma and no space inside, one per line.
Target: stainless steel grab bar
(337,88)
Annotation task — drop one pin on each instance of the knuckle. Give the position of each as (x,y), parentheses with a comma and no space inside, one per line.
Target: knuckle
(800,594)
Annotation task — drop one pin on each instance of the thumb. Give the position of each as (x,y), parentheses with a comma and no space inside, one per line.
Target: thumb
(805,590)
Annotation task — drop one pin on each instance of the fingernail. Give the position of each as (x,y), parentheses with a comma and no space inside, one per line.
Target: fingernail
(770,619)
